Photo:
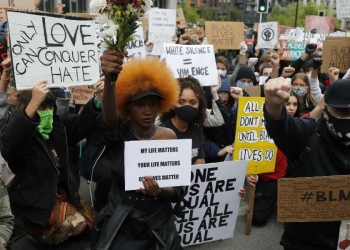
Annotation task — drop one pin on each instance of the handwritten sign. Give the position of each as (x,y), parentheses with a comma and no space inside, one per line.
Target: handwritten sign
(336,54)
(224,35)
(168,161)
(136,47)
(319,24)
(180,18)
(192,60)
(290,50)
(82,94)
(213,202)
(18,5)
(252,143)
(313,199)
(343,9)
(162,27)
(61,51)
(268,34)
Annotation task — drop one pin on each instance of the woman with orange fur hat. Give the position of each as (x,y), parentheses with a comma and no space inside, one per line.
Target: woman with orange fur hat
(141,219)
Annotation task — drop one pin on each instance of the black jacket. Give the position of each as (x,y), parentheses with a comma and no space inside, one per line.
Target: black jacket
(330,157)
(33,190)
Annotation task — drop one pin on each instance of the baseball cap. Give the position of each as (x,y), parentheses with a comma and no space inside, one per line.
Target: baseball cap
(146,93)
(338,94)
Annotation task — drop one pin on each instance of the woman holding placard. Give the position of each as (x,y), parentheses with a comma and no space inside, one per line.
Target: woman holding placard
(140,219)
(188,115)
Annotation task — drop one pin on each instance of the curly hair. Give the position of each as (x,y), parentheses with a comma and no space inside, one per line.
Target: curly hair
(144,74)
(190,83)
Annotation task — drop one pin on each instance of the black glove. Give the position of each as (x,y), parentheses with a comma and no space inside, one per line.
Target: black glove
(317,62)
(310,48)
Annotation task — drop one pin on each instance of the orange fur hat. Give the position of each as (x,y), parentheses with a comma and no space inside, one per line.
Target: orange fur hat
(142,75)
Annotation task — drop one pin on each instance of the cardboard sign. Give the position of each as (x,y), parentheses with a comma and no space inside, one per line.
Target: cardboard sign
(168,161)
(343,9)
(162,27)
(192,60)
(84,15)
(291,50)
(180,19)
(254,91)
(252,143)
(61,51)
(3,52)
(224,35)
(136,47)
(213,202)
(81,95)
(336,54)
(314,199)
(319,24)
(268,34)
(17,5)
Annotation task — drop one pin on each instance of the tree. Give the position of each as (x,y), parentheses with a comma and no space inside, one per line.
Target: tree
(190,14)
(286,15)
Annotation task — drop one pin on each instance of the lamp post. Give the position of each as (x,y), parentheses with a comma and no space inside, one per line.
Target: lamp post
(296,14)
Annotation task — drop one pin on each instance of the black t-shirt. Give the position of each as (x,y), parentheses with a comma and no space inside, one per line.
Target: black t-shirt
(193,132)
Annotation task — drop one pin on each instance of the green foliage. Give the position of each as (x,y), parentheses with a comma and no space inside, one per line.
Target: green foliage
(190,14)
(286,15)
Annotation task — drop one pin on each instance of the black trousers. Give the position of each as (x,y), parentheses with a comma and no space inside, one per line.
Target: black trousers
(264,202)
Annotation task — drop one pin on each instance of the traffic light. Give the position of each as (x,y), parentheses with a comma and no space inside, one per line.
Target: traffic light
(263,6)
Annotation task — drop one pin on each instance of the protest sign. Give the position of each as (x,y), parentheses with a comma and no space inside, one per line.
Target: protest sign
(192,60)
(17,5)
(252,143)
(81,95)
(162,27)
(343,9)
(3,52)
(287,34)
(180,18)
(336,53)
(268,34)
(313,199)
(224,35)
(61,51)
(213,202)
(290,50)
(168,161)
(136,47)
(319,24)
(254,91)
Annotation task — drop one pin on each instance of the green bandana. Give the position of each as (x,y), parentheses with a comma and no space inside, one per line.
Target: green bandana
(46,123)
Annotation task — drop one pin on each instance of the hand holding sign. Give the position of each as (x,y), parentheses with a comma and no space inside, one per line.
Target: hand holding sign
(7,69)
(151,186)
(39,93)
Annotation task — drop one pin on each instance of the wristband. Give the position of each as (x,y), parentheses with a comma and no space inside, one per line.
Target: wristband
(97,103)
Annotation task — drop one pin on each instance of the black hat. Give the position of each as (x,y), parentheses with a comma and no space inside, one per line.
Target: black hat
(246,72)
(146,93)
(338,94)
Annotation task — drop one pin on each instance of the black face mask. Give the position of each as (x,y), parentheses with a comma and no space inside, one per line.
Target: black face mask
(339,128)
(186,113)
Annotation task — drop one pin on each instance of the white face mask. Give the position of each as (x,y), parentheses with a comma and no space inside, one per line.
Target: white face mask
(222,72)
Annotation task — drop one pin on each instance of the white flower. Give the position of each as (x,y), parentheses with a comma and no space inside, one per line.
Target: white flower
(102,18)
(109,31)
(148,5)
(96,5)
(104,47)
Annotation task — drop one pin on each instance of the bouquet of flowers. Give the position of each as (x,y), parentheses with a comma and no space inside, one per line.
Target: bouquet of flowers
(119,21)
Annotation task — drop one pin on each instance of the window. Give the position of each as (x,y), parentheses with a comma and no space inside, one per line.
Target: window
(75,6)
(46,5)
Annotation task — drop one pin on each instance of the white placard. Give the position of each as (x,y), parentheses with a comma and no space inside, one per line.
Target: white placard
(343,9)
(61,51)
(192,60)
(162,27)
(136,47)
(168,161)
(268,35)
(213,202)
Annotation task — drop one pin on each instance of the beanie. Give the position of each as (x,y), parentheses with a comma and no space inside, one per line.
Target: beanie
(246,72)
(224,85)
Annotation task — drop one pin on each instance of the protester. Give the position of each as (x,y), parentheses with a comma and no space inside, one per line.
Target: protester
(331,156)
(44,191)
(188,115)
(141,219)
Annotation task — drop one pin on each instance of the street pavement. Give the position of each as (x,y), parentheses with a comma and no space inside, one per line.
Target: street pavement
(261,238)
